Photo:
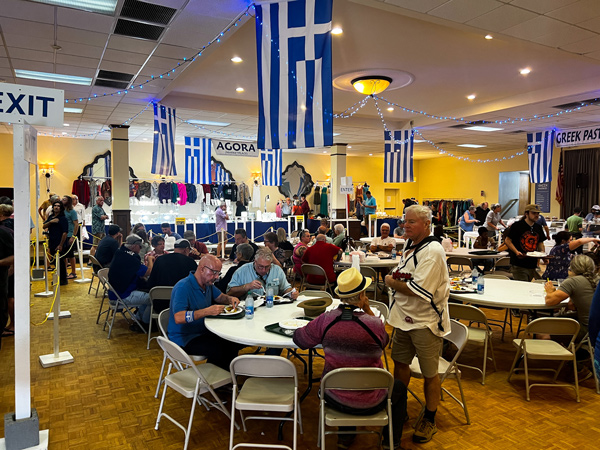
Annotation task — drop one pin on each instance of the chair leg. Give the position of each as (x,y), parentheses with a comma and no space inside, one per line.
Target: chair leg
(485,347)
(91,283)
(160,377)
(527,388)
(231,427)
(464,403)
(149,329)
(100,310)
(162,402)
(189,428)
(514,364)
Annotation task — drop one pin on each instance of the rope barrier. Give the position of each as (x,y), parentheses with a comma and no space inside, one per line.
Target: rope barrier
(53,299)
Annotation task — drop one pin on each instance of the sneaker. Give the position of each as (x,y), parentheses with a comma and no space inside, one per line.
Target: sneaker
(424,431)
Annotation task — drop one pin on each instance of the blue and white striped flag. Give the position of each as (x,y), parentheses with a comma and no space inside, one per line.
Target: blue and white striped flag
(398,161)
(198,152)
(219,174)
(295,90)
(270,164)
(539,149)
(163,153)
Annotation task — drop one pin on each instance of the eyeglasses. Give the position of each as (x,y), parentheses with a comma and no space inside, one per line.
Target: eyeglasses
(214,272)
(258,266)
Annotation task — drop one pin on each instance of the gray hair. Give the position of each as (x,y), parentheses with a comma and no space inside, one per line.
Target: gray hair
(584,265)
(495,205)
(472,208)
(354,300)
(339,228)
(245,251)
(422,212)
(189,234)
(129,246)
(385,224)
(264,253)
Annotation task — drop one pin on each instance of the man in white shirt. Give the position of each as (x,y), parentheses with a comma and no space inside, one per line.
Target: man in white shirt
(419,312)
(79,209)
(383,243)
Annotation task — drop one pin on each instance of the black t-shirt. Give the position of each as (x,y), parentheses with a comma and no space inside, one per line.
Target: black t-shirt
(106,250)
(481,214)
(525,238)
(232,255)
(56,230)
(169,269)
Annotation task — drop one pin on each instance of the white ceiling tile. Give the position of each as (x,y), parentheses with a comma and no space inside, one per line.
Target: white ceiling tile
(592,24)
(77,71)
(82,36)
(163,64)
(464,10)
(84,20)
(593,55)
(585,46)
(501,18)
(564,34)
(27,11)
(70,60)
(120,56)
(35,55)
(32,65)
(422,6)
(542,6)
(126,44)
(4,63)
(27,28)
(119,67)
(581,11)
(173,51)
(533,28)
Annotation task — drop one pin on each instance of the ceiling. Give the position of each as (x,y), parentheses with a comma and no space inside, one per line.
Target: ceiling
(439,42)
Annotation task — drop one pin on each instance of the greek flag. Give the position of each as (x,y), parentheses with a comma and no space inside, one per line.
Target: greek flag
(398,162)
(219,174)
(539,149)
(295,90)
(270,164)
(163,153)
(197,160)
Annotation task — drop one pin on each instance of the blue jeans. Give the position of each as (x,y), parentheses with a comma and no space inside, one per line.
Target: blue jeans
(141,300)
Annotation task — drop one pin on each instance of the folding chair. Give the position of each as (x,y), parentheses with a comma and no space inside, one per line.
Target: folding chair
(313,269)
(369,272)
(545,349)
(157,293)
(104,276)
(459,261)
(191,382)
(447,369)
(272,386)
(590,349)
(355,379)
(116,306)
(385,313)
(503,267)
(288,266)
(94,275)
(163,325)
(475,334)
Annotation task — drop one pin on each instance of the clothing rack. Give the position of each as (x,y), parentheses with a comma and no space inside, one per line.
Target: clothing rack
(437,199)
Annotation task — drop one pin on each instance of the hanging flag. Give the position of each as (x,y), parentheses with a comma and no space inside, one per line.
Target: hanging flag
(198,152)
(295,86)
(398,162)
(163,153)
(218,173)
(270,164)
(539,148)
(560,184)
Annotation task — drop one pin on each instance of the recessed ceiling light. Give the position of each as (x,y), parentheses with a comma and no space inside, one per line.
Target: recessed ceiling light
(525,71)
(53,77)
(349,146)
(370,154)
(240,89)
(471,97)
(74,110)
(390,109)
(209,122)
(145,139)
(324,151)
(418,141)
(441,152)
(64,132)
(237,59)
(471,145)
(65,125)
(155,132)
(336,134)
(337,30)
(489,36)
(97,6)
(479,128)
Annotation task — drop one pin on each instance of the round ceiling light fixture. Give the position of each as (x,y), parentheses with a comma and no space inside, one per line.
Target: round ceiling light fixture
(371,84)
(396,79)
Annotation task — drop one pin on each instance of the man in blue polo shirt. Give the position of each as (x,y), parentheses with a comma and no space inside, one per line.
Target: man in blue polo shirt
(259,276)
(370,205)
(194,298)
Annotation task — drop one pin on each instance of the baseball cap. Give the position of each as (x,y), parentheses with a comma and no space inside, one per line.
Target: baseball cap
(533,208)
(596,208)
(133,239)
(113,229)
(182,243)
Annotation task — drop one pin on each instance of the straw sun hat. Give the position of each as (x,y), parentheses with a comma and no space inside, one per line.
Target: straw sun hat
(351,282)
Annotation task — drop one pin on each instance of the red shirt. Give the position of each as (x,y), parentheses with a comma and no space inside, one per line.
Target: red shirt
(305,207)
(202,249)
(321,254)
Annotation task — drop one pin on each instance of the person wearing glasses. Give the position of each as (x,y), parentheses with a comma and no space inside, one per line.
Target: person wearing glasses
(256,278)
(194,298)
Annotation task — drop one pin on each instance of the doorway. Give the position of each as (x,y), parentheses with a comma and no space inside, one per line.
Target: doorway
(513,192)
(390,203)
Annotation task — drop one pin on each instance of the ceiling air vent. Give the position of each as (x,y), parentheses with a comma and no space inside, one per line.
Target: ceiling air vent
(578,104)
(516,132)
(138,30)
(112,84)
(110,75)
(147,12)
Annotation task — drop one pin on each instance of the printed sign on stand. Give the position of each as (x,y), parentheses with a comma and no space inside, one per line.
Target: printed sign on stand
(31,105)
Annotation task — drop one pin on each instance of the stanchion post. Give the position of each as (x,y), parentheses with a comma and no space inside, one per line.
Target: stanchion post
(82,279)
(46,292)
(56,280)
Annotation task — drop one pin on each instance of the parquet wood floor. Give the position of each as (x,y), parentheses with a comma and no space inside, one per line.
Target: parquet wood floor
(105,399)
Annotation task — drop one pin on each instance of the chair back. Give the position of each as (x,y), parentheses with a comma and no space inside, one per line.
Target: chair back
(466,312)
(103,275)
(562,326)
(294,234)
(161,293)
(369,272)
(458,336)
(263,366)
(313,269)
(288,254)
(358,379)
(317,294)
(493,276)
(381,307)
(163,322)
(503,263)
(178,356)
(95,262)
(459,261)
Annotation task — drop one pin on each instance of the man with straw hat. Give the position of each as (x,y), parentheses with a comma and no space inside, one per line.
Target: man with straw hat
(353,337)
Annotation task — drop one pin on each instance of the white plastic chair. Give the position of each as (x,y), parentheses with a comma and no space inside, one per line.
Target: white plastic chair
(355,379)
(191,382)
(546,349)
(272,386)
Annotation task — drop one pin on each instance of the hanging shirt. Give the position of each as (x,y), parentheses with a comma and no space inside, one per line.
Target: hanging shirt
(182,193)
(154,191)
(164,192)
(81,189)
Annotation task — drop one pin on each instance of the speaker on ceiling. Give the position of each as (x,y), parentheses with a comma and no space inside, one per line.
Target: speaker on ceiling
(581,181)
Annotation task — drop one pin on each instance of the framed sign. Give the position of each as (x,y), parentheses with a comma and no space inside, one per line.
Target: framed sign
(542,196)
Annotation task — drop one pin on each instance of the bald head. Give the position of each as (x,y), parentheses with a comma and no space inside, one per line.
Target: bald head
(208,261)
(321,237)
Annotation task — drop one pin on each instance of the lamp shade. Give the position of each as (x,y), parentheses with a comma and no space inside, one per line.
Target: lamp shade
(371,85)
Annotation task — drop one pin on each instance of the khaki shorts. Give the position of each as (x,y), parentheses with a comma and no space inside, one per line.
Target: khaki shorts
(222,236)
(421,342)
(97,238)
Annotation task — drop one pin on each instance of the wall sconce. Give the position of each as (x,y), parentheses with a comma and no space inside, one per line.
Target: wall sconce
(47,170)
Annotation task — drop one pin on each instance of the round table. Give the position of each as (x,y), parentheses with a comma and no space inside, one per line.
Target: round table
(368,240)
(508,294)
(372,262)
(462,251)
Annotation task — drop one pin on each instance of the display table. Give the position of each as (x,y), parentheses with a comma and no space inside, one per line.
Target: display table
(462,251)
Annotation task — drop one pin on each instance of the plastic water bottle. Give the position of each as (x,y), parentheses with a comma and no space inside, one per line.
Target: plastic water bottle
(269,298)
(474,275)
(249,307)
(480,285)
(394,253)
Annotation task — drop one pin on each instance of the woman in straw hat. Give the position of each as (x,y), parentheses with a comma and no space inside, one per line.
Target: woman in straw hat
(353,337)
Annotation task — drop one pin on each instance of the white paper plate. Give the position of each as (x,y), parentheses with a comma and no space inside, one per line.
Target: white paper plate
(536,254)
(293,324)
(236,310)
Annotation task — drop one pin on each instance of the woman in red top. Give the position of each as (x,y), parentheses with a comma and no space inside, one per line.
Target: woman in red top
(299,250)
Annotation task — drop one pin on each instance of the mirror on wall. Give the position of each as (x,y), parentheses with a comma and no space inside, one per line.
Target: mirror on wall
(295,181)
